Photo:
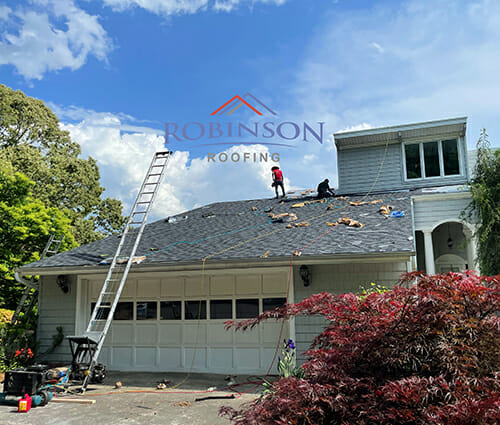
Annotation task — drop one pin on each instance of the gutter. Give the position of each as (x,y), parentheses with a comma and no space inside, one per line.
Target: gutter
(25,282)
(218,265)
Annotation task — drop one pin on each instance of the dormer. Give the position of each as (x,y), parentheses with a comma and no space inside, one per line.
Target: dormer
(412,156)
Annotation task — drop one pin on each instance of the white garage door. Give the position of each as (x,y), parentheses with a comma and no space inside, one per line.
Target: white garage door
(156,326)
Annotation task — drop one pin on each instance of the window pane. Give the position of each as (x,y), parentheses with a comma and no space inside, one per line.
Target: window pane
(192,308)
(412,154)
(103,312)
(431,159)
(124,311)
(272,303)
(146,310)
(221,309)
(246,309)
(170,310)
(450,157)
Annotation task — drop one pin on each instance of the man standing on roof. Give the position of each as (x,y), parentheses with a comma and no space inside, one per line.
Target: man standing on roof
(278,180)
(324,189)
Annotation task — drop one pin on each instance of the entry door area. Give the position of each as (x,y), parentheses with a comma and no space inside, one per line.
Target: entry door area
(177,323)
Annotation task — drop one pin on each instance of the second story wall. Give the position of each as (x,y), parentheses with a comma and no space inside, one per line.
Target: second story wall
(404,157)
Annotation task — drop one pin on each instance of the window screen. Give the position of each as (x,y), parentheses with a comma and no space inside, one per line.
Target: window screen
(247,308)
(450,157)
(124,311)
(192,308)
(170,310)
(146,310)
(221,309)
(412,154)
(272,303)
(431,159)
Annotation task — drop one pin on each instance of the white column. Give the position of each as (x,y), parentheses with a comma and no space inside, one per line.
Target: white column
(429,252)
(471,249)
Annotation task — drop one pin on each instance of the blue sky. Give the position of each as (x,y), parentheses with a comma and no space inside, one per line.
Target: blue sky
(116,70)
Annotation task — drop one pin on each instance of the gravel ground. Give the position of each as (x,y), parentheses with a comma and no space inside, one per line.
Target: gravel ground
(170,406)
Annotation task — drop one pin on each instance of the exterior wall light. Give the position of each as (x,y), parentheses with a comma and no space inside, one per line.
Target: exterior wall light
(305,275)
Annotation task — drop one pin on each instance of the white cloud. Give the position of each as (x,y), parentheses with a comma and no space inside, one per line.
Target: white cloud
(49,36)
(440,60)
(377,46)
(4,13)
(190,181)
(358,127)
(176,7)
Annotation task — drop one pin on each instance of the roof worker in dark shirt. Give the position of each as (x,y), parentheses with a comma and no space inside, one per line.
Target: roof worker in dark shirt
(324,189)
(278,180)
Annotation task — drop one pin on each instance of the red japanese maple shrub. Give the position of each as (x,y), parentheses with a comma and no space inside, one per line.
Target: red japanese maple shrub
(426,353)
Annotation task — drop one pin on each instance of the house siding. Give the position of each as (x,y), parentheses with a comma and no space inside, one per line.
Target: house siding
(337,279)
(429,213)
(55,308)
(364,169)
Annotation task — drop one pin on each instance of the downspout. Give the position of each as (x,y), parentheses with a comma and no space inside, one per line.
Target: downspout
(25,282)
(414,266)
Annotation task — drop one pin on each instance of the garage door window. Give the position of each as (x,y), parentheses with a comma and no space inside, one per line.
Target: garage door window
(195,310)
(272,303)
(170,310)
(103,312)
(124,311)
(146,310)
(247,308)
(221,309)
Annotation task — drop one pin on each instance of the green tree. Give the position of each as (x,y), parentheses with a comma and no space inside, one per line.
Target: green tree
(33,142)
(485,205)
(25,225)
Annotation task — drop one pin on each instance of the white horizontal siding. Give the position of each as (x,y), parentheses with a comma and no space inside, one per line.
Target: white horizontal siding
(337,279)
(55,308)
(430,213)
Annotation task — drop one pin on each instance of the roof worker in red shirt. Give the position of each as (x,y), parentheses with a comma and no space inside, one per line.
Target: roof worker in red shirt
(324,189)
(278,180)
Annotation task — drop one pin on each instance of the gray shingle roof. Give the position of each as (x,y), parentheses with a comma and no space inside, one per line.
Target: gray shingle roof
(208,230)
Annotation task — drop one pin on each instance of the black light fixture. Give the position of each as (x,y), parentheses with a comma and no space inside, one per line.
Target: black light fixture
(62,282)
(450,240)
(305,275)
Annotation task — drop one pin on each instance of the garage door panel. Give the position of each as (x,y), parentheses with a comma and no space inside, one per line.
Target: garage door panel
(148,288)
(122,334)
(146,334)
(246,285)
(195,286)
(217,335)
(130,289)
(193,336)
(200,358)
(221,285)
(122,358)
(145,356)
(171,334)
(271,330)
(248,337)
(172,287)
(220,359)
(105,356)
(170,358)
(274,283)
(247,358)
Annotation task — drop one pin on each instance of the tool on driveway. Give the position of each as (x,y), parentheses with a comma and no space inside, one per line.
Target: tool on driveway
(87,347)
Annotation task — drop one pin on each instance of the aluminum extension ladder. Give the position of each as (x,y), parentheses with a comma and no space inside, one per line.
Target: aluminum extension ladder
(31,291)
(102,316)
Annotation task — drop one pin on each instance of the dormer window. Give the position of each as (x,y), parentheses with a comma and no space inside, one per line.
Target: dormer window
(431,159)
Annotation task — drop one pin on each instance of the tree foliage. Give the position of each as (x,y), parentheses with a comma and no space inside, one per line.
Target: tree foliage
(25,226)
(414,355)
(485,205)
(33,142)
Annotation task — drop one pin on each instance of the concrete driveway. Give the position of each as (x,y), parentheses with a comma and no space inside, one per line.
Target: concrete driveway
(170,406)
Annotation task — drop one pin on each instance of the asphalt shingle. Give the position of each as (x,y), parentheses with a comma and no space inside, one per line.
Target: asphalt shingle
(246,228)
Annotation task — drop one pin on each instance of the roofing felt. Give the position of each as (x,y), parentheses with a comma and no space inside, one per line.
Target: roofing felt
(244,230)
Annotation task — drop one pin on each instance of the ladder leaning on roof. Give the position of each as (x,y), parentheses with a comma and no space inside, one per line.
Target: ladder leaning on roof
(102,316)
(31,291)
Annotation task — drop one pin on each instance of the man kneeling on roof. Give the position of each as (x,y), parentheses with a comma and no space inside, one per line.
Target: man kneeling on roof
(324,189)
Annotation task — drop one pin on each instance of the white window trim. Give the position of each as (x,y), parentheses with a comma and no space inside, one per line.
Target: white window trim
(440,157)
